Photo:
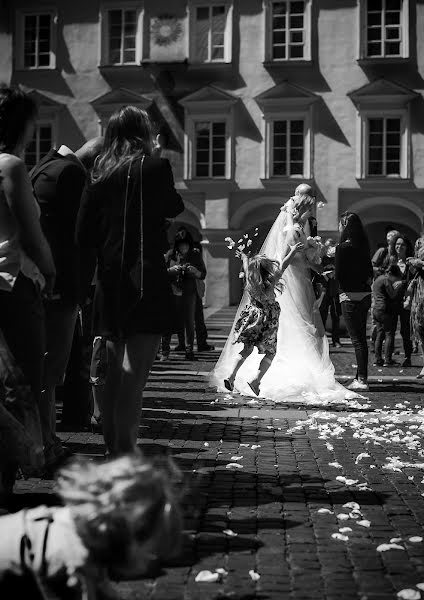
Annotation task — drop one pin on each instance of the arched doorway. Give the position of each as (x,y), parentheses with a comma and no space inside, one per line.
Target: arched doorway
(379,215)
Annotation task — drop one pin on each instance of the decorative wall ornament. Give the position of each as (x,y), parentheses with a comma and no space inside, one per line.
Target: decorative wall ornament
(166,30)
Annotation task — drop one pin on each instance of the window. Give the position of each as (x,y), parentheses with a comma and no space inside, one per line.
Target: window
(122,36)
(35,41)
(385,29)
(287,109)
(384,146)
(40,144)
(210,29)
(288,30)
(288,145)
(210,151)
(209,134)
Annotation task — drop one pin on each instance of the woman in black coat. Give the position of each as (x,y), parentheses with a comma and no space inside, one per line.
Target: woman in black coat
(133,304)
(354,272)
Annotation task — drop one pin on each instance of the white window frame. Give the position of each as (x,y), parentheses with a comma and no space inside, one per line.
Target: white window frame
(104,26)
(270,117)
(190,144)
(307,26)
(20,37)
(228,37)
(363,38)
(362,157)
(42,123)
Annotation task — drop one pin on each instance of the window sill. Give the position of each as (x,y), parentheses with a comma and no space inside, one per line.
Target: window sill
(285,184)
(385,60)
(37,69)
(385,182)
(201,182)
(296,62)
(209,65)
(129,67)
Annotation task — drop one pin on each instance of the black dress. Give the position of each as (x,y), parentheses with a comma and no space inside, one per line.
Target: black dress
(118,310)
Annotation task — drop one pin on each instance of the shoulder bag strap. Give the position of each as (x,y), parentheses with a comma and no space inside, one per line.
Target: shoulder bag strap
(141,230)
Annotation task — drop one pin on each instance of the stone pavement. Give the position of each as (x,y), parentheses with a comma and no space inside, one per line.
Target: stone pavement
(292,501)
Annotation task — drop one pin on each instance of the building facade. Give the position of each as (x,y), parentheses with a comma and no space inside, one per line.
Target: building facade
(251,98)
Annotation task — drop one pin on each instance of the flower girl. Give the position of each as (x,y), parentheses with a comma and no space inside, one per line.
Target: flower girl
(257,325)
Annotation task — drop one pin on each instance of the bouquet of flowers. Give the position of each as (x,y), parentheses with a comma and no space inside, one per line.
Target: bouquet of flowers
(314,249)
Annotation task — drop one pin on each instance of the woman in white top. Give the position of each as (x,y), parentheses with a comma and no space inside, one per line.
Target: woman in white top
(26,263)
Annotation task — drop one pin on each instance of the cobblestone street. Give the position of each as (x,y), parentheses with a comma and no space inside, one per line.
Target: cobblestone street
(284,501)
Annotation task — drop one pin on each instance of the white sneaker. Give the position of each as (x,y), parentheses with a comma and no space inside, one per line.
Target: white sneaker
(358,385)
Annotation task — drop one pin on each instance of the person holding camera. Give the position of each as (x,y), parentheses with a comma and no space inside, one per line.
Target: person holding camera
(185,267)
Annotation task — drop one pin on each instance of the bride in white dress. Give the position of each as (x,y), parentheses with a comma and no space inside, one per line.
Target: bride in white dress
(302,369)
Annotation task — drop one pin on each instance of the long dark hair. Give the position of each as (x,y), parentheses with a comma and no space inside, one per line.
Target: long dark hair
(128,135)
(17,109)
(408,244)
(353,231)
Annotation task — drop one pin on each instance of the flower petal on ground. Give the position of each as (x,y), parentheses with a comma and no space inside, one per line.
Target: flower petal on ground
(234,466)
(364,523)
(326,511)
(236,457)
(409,594)
(254,576)
(230,533)
(416,539)
(385,547)
(206,577)
(339,536)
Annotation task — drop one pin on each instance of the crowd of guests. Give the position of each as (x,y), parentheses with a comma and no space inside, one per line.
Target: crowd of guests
(390,283)
(97,215)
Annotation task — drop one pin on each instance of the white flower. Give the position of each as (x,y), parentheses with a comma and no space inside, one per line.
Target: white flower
(206,577)
(253,575)
(409,594)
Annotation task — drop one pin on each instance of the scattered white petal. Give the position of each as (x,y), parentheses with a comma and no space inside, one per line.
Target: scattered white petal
(206,577)
(252,402)
(352,505)
(325,511)
(206,444)
(364,523)
(342,517)
(230,533)
(361,456)
(234,466)
(236,457)
(339,536)
(346,480)
(416,539)
(385,547)
(244,445)
(222,572)
(255,447)
(254,576)
(420,586)
(409,594)
(395,540)
(336,465)
(345,529)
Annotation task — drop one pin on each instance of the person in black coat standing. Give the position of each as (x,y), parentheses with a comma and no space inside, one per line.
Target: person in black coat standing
(58,181)
(123,216)
(354,275)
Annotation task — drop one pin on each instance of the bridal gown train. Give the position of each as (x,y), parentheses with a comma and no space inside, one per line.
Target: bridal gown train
(302,369)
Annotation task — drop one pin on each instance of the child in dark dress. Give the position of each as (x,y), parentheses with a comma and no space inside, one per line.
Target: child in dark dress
(257,325)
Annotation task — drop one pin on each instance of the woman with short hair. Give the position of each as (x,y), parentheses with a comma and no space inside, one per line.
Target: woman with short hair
(123,216)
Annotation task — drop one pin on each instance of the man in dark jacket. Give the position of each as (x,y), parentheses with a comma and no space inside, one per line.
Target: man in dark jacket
(58,181)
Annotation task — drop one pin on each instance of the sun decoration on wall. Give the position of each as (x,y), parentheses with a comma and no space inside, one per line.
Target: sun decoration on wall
(166,30)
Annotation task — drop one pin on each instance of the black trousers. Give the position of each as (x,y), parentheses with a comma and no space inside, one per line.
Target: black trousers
(22,321)
(386,327)
(355,316)
(332,303)
(186,311)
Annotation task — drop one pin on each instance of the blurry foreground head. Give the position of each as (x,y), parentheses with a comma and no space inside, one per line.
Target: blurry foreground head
(18,112)
(125,511)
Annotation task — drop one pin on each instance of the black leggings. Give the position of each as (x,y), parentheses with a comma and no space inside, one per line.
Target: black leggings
(355,317)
